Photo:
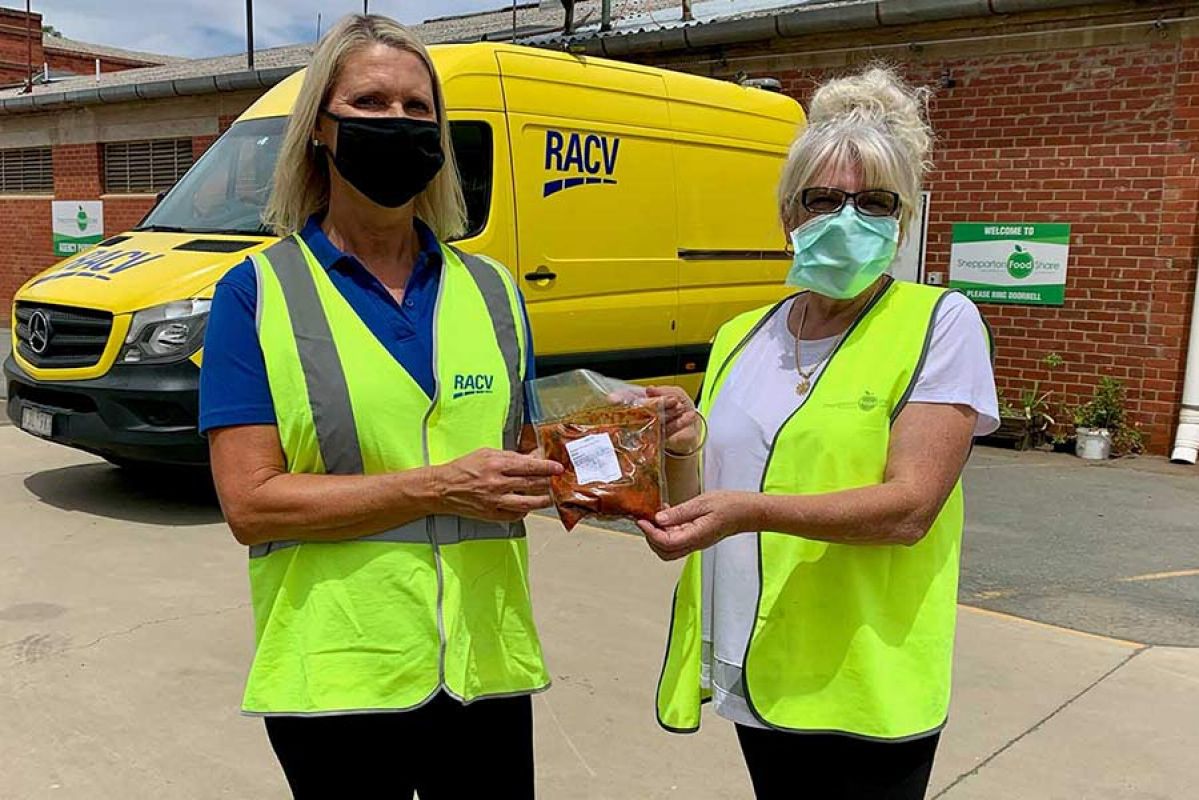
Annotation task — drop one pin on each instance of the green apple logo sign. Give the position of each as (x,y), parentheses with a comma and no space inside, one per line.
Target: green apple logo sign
(81,219)
(1020,263)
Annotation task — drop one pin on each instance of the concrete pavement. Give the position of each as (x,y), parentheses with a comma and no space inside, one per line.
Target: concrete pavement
(125,635)
(1108,548)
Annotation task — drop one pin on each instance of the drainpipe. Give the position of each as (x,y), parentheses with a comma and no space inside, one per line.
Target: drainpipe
(29,46)
(605,16)
(1186,441)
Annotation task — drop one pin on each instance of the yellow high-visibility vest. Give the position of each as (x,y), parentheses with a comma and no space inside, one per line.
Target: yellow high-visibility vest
(854,639)
(387,620)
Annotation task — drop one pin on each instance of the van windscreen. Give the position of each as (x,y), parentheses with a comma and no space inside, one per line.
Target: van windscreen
(227,189)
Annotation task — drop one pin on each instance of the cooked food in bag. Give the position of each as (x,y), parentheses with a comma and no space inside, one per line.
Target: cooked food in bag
(612,453)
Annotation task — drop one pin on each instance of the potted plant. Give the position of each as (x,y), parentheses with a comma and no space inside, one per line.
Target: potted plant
(1036,413)
(1101,424)
(1029,424)
(1013,426)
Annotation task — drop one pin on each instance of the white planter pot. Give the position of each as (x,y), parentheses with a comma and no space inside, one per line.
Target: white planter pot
(1093,444)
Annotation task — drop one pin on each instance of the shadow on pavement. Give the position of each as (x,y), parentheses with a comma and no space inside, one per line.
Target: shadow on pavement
(161,497)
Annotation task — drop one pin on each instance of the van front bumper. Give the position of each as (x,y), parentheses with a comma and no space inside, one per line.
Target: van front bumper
(133,414)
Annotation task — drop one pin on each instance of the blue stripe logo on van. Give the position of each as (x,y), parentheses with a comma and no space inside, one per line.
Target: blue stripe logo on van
(100,263)
(588,159)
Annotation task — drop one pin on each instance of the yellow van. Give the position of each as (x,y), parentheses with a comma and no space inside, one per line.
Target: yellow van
(634,205)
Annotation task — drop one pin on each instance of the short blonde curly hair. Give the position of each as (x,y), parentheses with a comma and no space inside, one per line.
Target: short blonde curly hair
(873,119)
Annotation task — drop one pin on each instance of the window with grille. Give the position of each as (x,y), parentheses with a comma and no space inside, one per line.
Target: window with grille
(149,166)
(26,170)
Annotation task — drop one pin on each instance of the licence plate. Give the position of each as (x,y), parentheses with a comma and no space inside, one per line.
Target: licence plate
(37,422)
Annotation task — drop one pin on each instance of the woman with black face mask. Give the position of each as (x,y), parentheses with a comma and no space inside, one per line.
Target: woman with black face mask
(361,392)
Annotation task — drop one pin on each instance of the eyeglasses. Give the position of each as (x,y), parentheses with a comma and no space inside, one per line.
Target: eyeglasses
(870,203)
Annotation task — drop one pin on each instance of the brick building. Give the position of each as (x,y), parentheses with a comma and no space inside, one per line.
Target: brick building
(1076,112)
(91,137)
(23,44)
(1057,111)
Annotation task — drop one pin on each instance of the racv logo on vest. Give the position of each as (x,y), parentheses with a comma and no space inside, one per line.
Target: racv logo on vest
(466,385)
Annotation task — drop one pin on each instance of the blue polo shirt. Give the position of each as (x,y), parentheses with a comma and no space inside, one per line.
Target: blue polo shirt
(233,383)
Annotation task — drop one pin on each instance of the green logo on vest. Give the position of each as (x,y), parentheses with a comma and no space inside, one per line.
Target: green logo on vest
(868,401)
(466,385)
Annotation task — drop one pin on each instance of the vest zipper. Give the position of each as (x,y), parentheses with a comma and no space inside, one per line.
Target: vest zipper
(441,638)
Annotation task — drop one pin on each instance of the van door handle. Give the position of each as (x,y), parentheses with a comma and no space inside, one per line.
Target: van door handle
(542,274)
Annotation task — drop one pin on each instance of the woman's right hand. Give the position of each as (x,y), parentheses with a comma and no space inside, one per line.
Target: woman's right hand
(684,427)
(495,485)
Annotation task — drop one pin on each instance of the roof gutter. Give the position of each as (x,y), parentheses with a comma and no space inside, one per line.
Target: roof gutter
(147,90)
(808,21)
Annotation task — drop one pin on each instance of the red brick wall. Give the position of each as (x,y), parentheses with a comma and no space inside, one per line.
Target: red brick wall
(122,213)
(200,144)
(24,240)
(77,171)
(1103,138)
(26,246)
(14,52)
(84,64)
(14,46)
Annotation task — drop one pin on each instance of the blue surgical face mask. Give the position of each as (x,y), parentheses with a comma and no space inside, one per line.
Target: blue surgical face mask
(841,255)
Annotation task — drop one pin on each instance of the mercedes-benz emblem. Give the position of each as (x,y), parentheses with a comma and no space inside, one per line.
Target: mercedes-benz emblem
(39,332)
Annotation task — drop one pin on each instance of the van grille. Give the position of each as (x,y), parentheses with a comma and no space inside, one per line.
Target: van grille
(60,337)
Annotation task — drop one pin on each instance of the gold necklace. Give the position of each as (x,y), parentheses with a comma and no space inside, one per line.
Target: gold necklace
(805,376)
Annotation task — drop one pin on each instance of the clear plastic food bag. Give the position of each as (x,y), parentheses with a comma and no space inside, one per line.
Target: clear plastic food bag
(610,438)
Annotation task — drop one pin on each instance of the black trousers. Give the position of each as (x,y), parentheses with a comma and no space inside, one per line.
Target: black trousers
(798,766)
(444,750)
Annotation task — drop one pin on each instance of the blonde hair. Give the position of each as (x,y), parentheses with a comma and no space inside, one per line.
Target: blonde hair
(873,119)
(301,184)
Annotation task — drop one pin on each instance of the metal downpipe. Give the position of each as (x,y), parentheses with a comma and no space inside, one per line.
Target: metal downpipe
(1186,440)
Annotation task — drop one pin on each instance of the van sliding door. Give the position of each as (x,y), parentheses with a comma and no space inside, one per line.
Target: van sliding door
(595,212)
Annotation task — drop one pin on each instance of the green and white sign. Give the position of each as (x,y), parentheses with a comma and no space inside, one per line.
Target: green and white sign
(1010,262)
(76,225)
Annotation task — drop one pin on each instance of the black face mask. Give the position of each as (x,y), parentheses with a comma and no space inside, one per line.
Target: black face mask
(389,159)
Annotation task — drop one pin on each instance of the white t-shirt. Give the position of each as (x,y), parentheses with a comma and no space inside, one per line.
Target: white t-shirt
(757,398)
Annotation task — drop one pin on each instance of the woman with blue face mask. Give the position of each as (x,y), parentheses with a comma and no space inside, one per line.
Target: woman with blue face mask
(817,605)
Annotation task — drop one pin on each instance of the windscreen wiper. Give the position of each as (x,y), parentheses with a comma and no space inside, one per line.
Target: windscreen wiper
(162,229)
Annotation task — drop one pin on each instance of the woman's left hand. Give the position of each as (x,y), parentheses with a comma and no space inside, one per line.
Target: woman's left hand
(684,428)
(697,524)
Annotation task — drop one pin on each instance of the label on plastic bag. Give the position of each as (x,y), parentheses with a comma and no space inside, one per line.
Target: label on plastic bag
(594,459)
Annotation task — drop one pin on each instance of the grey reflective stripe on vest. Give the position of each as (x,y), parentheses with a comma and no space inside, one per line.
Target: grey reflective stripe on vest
(495,294)
(328,394)
(444,530)
(728,677)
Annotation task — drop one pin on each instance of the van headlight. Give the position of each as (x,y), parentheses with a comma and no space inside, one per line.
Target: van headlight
(166,333)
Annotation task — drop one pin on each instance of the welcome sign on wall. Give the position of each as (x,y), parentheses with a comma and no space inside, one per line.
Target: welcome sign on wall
(77,225)
(1021,262)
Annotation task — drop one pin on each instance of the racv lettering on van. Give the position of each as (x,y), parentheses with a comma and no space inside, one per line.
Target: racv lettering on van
(100,263)
(579,159)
